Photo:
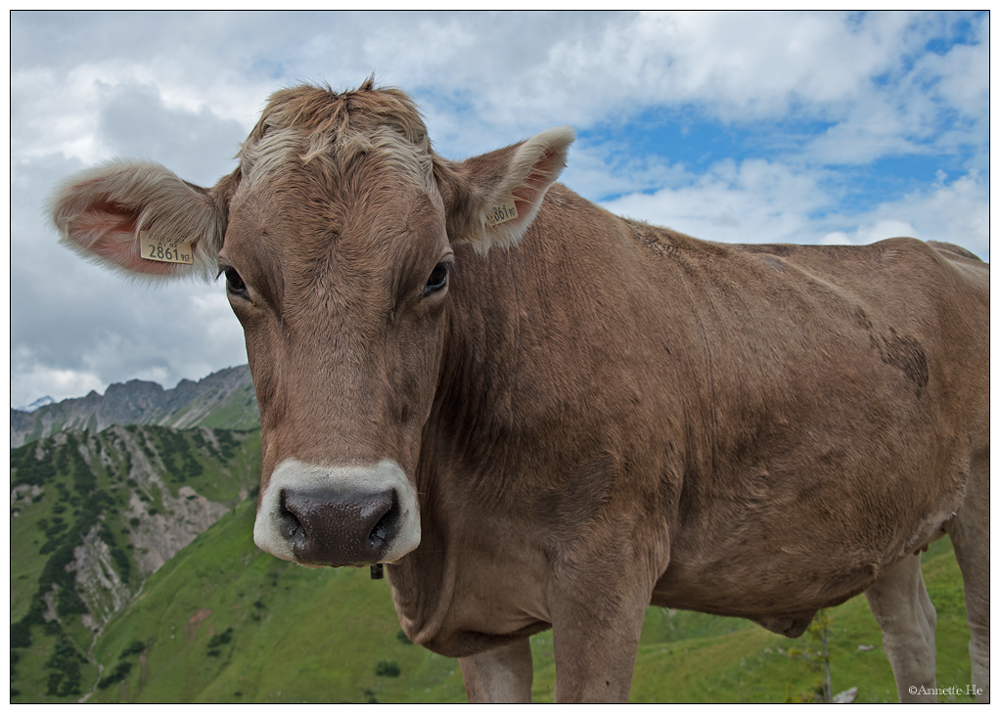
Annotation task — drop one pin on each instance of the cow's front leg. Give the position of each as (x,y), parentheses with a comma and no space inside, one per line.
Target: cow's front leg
(502,674)
(595,640)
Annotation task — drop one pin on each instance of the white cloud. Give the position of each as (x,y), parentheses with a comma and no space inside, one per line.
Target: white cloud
(759,202)
(911,109)
(133,120)
(735,66)
(751,202)
(869,233)
(611,168)
(35,380)
(955,211)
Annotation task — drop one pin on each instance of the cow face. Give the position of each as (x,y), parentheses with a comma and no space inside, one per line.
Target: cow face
(335,236)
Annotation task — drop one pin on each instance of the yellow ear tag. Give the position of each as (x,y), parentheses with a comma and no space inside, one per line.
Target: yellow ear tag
(501,213)
(165,250)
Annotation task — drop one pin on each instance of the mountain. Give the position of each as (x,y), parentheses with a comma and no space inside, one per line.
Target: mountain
(37,404)
(93,515)
(223,400)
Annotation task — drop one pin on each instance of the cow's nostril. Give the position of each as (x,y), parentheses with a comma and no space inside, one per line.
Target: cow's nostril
(386,524)
(377,537)
(380,533)
(290,524)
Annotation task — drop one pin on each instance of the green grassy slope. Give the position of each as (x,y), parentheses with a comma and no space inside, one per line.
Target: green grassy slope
(237,411)
(223,622)
(78,488)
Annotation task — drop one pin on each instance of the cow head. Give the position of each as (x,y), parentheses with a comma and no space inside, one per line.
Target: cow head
(335,235)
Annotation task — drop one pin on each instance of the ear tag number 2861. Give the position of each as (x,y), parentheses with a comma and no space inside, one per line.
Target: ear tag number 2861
(501,213)
(165,250)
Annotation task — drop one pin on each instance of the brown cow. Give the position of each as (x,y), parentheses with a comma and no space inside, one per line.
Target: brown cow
(542,415)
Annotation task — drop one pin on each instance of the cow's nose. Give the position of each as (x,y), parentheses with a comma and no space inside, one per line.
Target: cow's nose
(333,528)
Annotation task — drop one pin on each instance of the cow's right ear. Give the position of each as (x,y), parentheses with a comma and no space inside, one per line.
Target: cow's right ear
(143,219)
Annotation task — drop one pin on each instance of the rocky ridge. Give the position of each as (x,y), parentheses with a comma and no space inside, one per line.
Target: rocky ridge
(224,399)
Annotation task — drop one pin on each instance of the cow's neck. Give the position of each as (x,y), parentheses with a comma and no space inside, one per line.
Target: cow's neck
(524,350)
(480,416)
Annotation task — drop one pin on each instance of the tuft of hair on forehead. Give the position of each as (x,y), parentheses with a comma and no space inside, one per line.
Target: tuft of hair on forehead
(307,122)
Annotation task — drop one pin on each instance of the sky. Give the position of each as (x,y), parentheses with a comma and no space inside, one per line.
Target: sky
(751,128)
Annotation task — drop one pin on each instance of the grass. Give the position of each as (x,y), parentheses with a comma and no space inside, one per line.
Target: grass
(239,411)
(26,562)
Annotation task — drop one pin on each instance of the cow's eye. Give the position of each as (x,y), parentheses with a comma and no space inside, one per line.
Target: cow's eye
(438,279)
(234,283)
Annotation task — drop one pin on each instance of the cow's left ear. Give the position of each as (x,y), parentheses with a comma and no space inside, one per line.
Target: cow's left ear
(492,199)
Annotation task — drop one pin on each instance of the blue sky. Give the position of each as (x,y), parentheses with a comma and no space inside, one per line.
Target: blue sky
(740,127)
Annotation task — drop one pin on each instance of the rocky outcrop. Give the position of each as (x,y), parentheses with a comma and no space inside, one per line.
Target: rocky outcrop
(159,536)
(20,423)
(163,530)
(102,587)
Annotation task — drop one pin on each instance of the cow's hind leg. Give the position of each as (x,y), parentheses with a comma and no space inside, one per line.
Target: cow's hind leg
(906,616)
(502,674)
(970,534)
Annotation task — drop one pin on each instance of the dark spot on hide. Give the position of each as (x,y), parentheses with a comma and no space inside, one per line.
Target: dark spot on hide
(906,354)
(861,319)
(568,507)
